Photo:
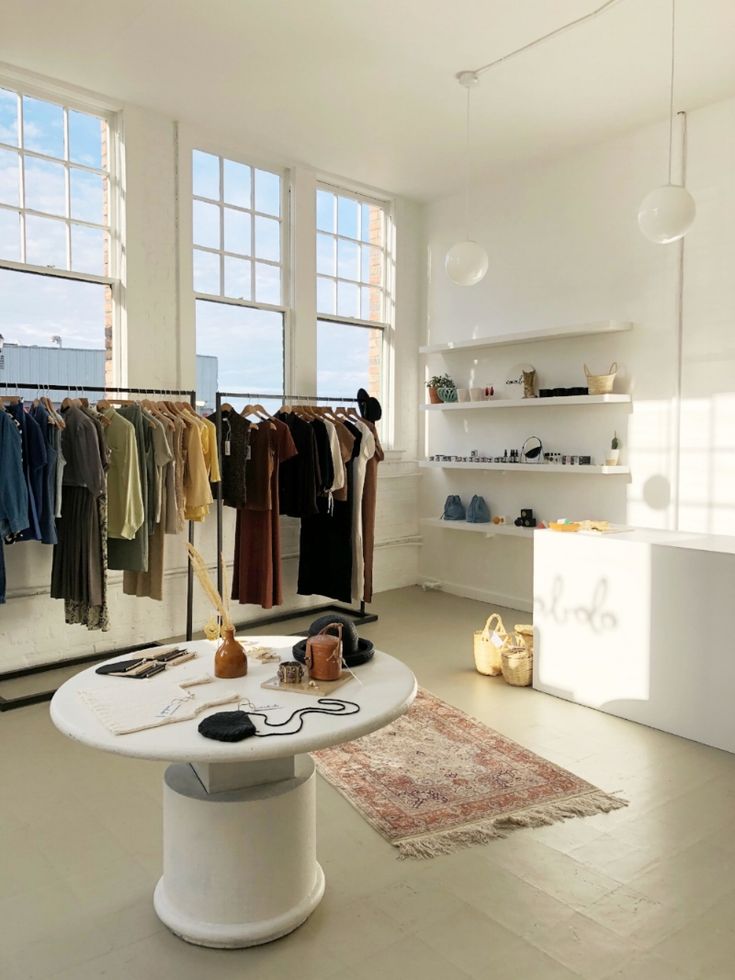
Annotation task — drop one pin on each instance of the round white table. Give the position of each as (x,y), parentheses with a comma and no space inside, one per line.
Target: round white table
(239,818)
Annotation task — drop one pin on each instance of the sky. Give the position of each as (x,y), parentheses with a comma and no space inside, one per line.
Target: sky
(248,343)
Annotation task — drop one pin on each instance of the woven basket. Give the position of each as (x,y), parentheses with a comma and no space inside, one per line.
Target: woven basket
(601,384)
(516,663)
(488,645)
(525,635)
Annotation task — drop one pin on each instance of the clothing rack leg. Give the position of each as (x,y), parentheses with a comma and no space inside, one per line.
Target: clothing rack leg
(189,566)
(190,588)
(219,502)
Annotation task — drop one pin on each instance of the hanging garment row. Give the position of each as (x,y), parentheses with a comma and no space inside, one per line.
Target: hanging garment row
(103,484)
(314,463)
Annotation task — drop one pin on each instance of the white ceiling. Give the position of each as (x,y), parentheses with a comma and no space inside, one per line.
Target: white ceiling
(365,90)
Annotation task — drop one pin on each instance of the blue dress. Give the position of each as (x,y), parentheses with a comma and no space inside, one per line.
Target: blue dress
(13,488)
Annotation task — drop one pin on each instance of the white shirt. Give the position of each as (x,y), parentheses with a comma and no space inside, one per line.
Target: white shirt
(337,462)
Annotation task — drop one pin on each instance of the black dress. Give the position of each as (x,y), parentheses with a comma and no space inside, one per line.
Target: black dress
(299,478)
(234,454)
(325,559)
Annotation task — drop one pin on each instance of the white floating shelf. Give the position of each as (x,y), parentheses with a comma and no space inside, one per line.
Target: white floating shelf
(489,530)
(530,336)
(536,469)
(567,402)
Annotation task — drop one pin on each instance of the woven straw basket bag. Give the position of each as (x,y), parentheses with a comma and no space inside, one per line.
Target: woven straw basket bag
(489,642)
(601,384)
(525,635)
(516,662)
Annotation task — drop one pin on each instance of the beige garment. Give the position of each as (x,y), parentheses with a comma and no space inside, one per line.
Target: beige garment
(197,492)
(168,504)
(135,706)
(340,474)
(359,466)
(180,457)
(346,444)
(125,509)
(369,502)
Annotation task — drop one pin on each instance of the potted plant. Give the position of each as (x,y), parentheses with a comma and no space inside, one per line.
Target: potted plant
(614,454)
(441,383)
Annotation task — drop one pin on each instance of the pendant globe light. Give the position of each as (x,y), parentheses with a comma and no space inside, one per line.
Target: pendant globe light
(466,262)
(667,213)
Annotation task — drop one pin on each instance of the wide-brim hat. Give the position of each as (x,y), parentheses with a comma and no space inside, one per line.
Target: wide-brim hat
(370,407)
(355,649)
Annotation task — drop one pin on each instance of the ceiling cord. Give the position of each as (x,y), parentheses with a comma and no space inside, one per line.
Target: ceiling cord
(547,37)
(671,88)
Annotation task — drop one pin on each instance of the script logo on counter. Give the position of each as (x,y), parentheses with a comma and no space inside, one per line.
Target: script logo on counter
(595,615)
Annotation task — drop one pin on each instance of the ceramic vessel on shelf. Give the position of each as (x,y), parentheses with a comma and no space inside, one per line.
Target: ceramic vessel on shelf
(434,398)
(448,394)
(463,394)
(230,659)
(477,394)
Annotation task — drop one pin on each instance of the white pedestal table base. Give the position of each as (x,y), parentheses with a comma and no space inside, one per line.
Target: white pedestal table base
(239,866)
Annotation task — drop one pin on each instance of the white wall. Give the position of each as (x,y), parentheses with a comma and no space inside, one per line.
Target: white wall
(159,313)
(564,248)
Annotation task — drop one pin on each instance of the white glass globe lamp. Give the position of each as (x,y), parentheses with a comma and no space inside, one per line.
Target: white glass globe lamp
(466,263)
(666,214)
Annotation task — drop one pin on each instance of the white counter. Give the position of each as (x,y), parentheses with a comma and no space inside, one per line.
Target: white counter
(640,624)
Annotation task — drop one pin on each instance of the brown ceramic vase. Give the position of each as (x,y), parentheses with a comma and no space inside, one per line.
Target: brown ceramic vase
(230,659)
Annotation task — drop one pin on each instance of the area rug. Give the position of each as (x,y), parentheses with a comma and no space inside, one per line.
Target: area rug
(436,780)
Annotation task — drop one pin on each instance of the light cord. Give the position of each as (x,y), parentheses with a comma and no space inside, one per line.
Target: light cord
(467,170)
(547,37)
(671,88)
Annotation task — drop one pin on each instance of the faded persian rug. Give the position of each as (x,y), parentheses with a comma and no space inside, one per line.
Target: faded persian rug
(436,780)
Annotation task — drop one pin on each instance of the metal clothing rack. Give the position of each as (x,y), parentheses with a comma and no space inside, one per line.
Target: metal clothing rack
(8,388)
(360,615)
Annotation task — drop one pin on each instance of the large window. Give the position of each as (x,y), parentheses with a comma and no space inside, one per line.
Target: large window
(57,241)
(354,294)
(238,232)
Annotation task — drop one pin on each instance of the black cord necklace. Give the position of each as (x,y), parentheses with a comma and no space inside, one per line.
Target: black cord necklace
(234,726)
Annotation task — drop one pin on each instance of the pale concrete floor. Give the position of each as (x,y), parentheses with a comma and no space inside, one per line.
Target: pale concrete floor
(646,893)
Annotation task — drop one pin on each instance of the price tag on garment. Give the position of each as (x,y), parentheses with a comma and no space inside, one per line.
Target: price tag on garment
(497,641)
(174,705)
(249,453)
(227,447)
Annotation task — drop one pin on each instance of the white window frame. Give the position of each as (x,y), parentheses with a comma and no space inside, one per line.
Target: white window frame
(285,219)
(222,253)
(385,289)
(68,98)
(387,324)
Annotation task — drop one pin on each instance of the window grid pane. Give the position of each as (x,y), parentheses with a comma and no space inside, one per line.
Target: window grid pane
(237,220)
(60,170)
(56,214)
(351,257)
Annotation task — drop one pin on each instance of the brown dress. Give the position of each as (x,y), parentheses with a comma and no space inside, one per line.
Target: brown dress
(256,574)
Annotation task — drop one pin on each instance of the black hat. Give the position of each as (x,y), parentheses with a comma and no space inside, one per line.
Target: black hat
(369,407)
(355,650)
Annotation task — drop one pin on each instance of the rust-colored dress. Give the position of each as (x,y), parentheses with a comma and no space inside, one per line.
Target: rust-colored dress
(256,575)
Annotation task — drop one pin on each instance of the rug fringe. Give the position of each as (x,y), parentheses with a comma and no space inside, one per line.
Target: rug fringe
(448,841)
